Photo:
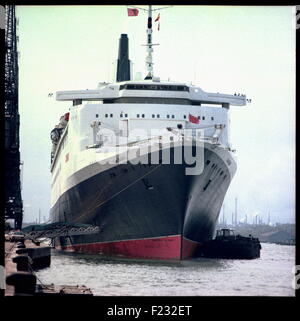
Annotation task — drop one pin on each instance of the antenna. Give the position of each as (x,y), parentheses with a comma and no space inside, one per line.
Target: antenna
(195,72)
(236,211)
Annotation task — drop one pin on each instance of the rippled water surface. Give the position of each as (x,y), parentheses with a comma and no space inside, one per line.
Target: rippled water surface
(270,275)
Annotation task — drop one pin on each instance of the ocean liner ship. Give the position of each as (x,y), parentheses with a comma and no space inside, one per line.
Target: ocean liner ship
(147,162)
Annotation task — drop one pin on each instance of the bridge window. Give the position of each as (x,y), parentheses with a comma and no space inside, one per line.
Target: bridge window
(126,115)
(143,115)
(154,87)
(212,118)
(173,116)
(196,103)
(157,115)
(153,116)
(106,115)
(184,116)
(77,102)
(168,116)
(203,118)
(138,115)
(111,115)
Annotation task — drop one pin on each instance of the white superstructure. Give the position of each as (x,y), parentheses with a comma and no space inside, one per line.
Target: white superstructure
(123,107)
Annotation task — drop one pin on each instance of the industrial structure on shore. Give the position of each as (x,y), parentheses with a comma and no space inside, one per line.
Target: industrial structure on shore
(13,199)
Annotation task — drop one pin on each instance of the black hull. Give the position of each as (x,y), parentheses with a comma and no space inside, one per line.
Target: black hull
(133,204)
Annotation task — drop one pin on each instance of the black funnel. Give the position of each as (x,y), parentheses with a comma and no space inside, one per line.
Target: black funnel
(123,67)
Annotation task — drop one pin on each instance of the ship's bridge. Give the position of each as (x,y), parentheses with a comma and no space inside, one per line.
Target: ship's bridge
(149,92)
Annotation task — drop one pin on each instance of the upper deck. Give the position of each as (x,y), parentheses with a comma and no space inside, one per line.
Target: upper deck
(150,91)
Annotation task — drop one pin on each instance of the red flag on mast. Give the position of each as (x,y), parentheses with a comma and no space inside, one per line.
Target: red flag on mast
(193,119)
(132,12)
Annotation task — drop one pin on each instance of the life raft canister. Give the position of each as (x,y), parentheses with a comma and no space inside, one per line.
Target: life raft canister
(55,134)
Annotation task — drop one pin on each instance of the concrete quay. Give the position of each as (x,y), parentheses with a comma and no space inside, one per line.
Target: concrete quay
(22,258)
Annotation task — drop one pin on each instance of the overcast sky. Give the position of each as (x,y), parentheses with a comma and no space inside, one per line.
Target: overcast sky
(226,49)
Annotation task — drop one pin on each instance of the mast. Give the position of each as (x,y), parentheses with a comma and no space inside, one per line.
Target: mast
(149,44)
(149,61)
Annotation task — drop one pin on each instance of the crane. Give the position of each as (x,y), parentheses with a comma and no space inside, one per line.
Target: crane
(13,199)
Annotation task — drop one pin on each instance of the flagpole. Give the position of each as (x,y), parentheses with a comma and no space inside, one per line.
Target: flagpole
(137,8)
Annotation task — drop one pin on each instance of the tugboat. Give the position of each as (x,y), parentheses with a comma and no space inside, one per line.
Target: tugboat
(227,245)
